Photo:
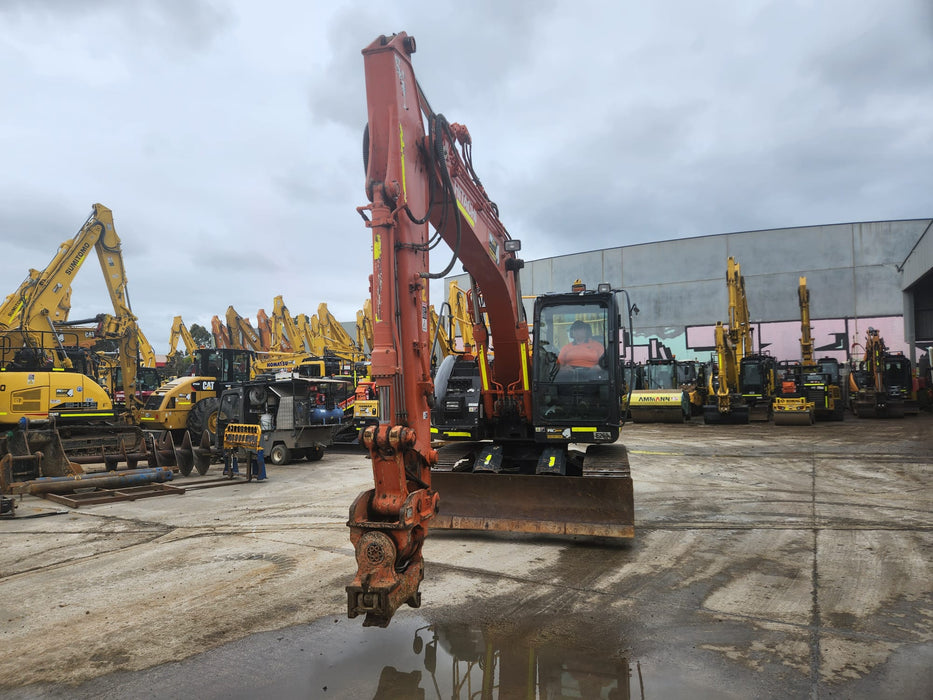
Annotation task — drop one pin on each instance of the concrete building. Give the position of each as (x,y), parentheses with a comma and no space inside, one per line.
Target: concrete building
(872,274)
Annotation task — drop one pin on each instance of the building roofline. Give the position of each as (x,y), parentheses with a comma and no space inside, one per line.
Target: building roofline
(734,233)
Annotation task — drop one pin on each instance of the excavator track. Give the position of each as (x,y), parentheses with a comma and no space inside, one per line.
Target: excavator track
(597,503)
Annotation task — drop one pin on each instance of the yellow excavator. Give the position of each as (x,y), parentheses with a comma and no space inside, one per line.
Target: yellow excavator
(285,334)
(879,385)
(364,326)
(241,333)
(44,302)
(180,332)
(741,388)
(811,389)
(48,405)
(333,337)
(109,364)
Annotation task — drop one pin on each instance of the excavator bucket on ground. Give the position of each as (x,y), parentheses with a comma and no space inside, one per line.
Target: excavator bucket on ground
(598,503)
(30,455)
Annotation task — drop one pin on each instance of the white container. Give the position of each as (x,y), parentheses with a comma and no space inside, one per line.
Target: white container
(265,421)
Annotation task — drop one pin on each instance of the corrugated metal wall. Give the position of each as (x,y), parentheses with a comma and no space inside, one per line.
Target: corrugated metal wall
(853,271)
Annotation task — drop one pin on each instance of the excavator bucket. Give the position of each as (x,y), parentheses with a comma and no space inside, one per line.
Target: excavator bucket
(599,503)
(25,456)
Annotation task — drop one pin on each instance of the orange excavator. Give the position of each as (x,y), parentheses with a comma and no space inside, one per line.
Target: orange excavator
(543,454)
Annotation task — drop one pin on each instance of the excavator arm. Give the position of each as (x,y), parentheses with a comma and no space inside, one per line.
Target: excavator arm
(336,338)
(419,175)
(264,327)
(806,338)
(460,313)
(241,333)
(220,333)
(364,326)
(309,333)
(285,334)
(739,328)
(180,331)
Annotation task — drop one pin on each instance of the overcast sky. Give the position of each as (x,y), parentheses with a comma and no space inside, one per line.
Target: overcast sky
(225,135)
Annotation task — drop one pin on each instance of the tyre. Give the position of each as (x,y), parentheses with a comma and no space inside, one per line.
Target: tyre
(314,453)
(280,454)
(204,417)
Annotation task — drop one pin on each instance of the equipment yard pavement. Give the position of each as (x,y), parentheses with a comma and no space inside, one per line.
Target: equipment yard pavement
(768,562)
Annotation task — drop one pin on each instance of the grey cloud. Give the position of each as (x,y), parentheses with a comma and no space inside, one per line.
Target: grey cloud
(188,24)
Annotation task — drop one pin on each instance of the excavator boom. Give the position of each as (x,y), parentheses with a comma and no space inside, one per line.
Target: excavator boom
(241,333)
(180,331)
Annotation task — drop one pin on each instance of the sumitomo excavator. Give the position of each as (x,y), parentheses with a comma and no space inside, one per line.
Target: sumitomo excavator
(543,456)
(54,415)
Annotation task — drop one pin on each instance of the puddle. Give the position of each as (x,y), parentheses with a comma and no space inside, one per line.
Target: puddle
(509,659)
(337,658)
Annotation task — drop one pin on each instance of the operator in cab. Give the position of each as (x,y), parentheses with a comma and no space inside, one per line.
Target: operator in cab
(582,350)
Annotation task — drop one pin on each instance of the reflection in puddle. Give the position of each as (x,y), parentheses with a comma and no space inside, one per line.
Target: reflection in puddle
(508,660)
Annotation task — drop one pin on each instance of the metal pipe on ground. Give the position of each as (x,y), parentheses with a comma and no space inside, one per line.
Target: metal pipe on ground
(103,480)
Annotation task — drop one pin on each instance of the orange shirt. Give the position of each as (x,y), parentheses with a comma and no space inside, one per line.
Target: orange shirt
(581,354)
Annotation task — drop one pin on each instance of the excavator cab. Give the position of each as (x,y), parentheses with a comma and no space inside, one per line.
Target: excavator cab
(757,381)
(225,365)
(575,380)
(562,472)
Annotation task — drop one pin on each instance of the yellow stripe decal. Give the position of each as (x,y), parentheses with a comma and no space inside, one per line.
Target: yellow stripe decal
(524,351)
(482,369)
(465,214)
(456,434)
(584,430)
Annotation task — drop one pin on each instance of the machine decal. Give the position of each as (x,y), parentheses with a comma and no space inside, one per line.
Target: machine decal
(76,261)
(482,369)
(464,205)
(524,352)
(401,81)
(377,291)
